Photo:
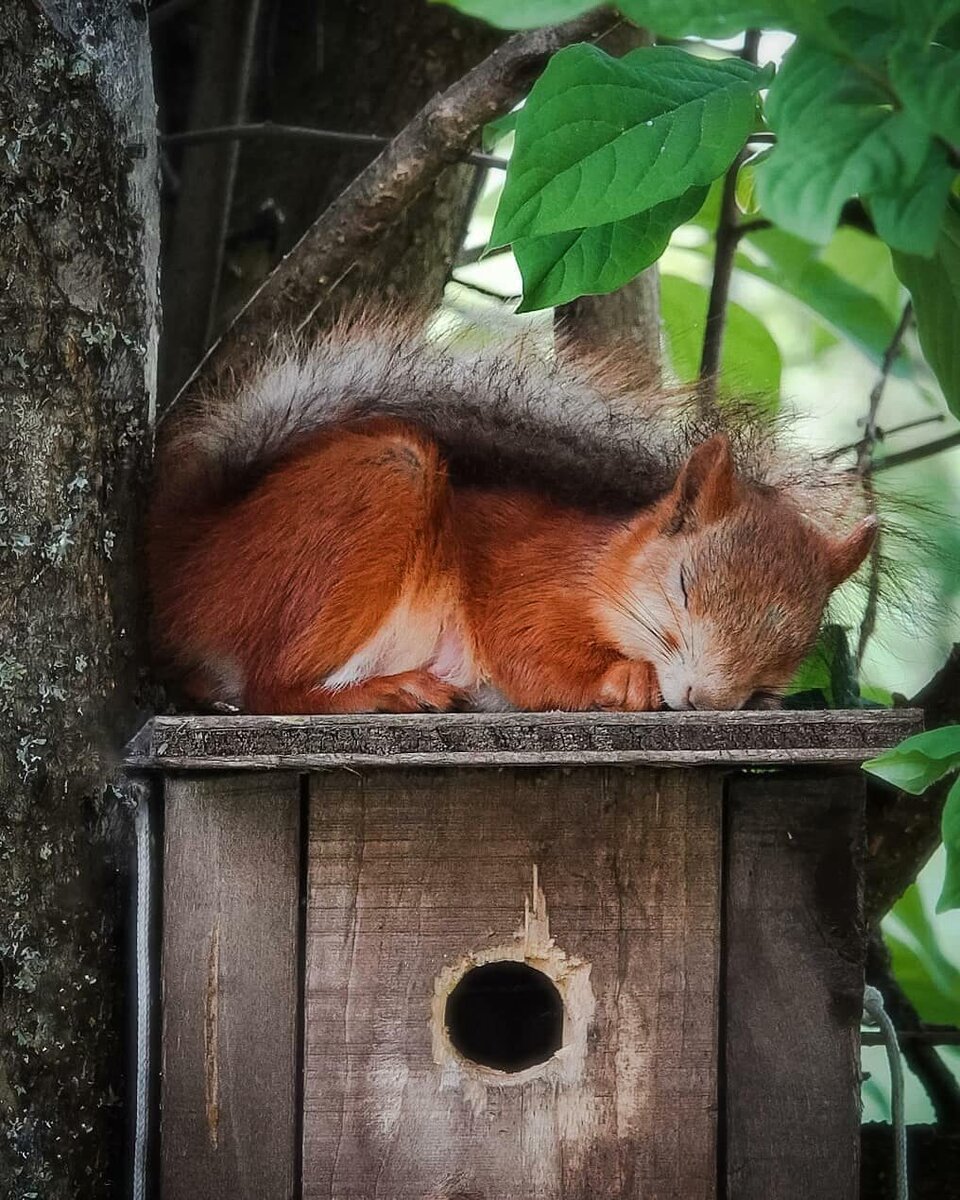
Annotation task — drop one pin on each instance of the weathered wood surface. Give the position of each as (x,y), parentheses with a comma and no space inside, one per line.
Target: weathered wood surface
(793,972)
(231,986)
(414,875)
(473,739)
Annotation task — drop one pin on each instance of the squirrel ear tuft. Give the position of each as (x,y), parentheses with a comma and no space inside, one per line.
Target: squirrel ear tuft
(847,553)
(706,488)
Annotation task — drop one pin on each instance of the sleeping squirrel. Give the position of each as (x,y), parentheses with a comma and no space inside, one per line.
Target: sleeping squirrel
(375,523)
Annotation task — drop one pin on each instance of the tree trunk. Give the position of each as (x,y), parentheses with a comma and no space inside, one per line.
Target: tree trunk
(78,247)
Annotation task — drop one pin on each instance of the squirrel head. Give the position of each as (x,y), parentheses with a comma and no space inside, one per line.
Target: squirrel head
(727,585)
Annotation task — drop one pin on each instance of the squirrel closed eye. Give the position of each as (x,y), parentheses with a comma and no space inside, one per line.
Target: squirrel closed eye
(373,523)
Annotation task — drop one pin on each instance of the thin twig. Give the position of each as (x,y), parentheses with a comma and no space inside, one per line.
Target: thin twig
(864,461)
(262,130)
(192,266)
(930,1035)
(757,226)
(727,237)
(883,434)
(927,450)
(483,291)
(438,136)
(869,439)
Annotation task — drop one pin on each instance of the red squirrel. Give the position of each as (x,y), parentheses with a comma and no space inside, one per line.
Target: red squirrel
(377,524)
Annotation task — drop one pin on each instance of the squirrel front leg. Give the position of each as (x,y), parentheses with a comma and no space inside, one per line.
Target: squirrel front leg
(629,685)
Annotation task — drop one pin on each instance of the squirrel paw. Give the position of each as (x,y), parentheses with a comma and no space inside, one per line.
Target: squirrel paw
(630,686)
(414,691)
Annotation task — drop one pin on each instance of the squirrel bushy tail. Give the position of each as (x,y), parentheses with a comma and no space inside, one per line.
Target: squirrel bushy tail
(595,429)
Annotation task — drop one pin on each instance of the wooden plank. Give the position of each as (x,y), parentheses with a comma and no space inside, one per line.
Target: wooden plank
(793,969)
(415,876)
(230,987)
(512,739)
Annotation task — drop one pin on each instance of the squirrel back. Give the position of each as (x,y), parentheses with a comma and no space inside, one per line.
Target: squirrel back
(596,429)
(374,507)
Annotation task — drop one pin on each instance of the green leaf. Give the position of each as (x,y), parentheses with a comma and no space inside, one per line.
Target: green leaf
(494,131)
(671,18)
(558,267)
(745,190)
(927,80)
(863,261)
(838,136)
(919,761)
(829,670)
(707,18)
(950,827)
(934,284)
(796,267)
(910,219)
(750,363)
(925,16)
(521,14)
(601,139)
(928,976)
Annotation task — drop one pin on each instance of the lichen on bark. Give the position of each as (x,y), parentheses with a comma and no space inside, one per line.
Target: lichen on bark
(77,358)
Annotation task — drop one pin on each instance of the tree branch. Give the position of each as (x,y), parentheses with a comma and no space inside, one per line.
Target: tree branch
(436,137)
(271,129)
(727,237)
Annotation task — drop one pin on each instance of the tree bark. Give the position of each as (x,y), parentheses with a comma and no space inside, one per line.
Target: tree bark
(78,246)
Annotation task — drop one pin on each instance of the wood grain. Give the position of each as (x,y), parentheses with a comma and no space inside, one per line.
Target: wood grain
(415,874)
(230,988)
(793,967)
(501,739)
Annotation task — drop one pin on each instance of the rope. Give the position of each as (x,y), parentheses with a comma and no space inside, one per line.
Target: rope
(875,1014)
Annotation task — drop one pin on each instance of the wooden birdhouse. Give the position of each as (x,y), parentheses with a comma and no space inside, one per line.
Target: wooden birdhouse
(512,957)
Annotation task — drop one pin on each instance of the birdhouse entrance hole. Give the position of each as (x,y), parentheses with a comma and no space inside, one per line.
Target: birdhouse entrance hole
(505,1015)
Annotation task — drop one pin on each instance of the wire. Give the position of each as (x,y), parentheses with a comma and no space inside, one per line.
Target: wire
(142,833)
(875,1014)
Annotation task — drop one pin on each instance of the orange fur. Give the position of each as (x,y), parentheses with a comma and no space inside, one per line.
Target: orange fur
(354,576)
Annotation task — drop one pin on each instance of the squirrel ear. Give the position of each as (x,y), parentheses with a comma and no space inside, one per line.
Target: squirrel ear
(846,554)
(706,488)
